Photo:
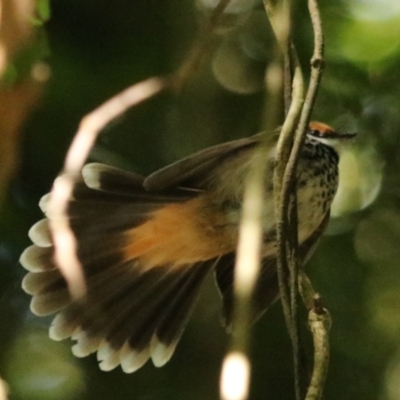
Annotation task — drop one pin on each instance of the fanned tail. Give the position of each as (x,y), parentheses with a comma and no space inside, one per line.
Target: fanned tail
(139,295)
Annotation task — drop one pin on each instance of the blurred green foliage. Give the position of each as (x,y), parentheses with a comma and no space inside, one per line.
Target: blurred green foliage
(98,48)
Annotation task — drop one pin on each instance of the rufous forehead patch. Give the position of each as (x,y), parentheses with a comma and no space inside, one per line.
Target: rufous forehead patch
(321,127)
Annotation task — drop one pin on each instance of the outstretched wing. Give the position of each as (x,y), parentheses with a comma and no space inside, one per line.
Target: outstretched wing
(195,170)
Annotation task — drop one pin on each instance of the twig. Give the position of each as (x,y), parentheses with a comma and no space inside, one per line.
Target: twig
(279,22)
(306,290)
(293,261)
(90,126)
(317,64)
(288,72)
(285,241)
(320,323)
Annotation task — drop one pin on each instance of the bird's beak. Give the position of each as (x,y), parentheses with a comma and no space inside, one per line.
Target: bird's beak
(339,135)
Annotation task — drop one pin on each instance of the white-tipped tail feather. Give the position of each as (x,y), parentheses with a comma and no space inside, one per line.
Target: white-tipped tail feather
(107,356)
(131,360)
(160,352)
(40,233)
(62,328)
(37,259)
(44,202)
(34,283)
(85,345)
(91,174)
(49,303)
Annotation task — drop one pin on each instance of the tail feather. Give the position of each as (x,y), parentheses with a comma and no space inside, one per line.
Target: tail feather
(37,259)
(115,181)
(149,315)
(171,326)
(64,325)
(132,360)
(132,311)
(35,283)
(109,179)
(179,293)
(93,216)
(125,308)
(44,304)
(85,345)
(40,234)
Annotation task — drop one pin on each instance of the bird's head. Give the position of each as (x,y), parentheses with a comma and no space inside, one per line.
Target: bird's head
(327,135)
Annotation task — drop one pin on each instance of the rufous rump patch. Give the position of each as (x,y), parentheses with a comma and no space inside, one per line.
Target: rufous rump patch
(179,234)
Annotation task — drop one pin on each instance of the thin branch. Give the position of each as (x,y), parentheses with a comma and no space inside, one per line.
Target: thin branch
(317,64)
(282,225)
(289,180)
(289,184)
(90,126)
(306,290)
(320,323)
(278,17)
(293,261)
(288,72)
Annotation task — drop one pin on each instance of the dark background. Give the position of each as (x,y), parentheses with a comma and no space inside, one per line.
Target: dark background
(96,49)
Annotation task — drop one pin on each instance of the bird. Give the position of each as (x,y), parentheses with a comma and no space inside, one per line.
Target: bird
(147,244)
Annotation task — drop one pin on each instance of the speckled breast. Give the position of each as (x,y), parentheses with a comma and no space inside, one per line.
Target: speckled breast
(317,182)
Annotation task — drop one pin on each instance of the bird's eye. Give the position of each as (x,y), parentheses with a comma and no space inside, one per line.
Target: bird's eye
(315,132)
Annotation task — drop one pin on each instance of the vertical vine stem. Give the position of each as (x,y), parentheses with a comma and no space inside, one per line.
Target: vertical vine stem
(289,180)
(279,17)
(288,152)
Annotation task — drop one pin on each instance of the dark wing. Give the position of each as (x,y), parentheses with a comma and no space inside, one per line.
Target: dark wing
(267,290)
(194,170)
